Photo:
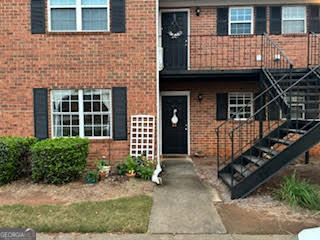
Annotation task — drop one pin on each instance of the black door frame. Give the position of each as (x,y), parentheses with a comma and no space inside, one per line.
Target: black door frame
(187,10)
(176,93)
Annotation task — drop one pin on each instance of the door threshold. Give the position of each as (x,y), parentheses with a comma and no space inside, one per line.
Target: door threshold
(174,156)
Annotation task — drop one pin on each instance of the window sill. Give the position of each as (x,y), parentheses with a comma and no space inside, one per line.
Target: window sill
(78,33)
(242,35)
(294,34)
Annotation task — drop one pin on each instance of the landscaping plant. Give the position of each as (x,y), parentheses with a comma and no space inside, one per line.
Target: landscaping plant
(91,177)
(299,193)
(140,166)
(14,157)
(59,160)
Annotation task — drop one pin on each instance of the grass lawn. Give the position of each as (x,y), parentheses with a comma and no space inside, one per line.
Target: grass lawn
(129,215)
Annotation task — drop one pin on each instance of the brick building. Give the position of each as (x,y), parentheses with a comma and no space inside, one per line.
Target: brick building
(85,67)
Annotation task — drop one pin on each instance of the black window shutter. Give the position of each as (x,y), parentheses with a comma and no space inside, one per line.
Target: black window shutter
(222,106)
(119,108)
(258,104)
(314,18)
(40,110)
(275,20)
(274,111)
(118,16)
(222,21)
(37,17)
(261,20)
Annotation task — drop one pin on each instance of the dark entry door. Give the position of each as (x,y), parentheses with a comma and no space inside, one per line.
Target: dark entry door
(174,125)
(175,40)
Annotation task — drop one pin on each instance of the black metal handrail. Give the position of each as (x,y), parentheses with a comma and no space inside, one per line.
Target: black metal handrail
(269,49)
(245,125)
(282,94)
(213,52)
(277,49)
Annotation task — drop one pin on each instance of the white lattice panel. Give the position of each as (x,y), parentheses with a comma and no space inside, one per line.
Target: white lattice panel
(142,135)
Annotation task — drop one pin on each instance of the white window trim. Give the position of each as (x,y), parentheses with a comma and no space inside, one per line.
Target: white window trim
(296,105)
(292,19)
(303,105)
(78,8)
(251,100)
(81,116)
(244,21)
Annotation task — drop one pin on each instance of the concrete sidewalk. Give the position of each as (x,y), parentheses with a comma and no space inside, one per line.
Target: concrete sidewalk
(182,204)
(77,236)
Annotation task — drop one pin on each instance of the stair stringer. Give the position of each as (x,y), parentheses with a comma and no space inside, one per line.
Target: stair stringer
(274,133)
(268,170)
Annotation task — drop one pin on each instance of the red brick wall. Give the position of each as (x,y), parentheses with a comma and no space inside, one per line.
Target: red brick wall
(225,52)
(75,60)
(236,52)
(203,115)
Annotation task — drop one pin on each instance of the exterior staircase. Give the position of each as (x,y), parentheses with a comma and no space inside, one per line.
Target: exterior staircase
(285,124)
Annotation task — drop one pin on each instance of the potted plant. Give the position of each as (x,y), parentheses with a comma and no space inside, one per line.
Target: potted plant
(91,177)
(106,165)
(131,167)
(103,168)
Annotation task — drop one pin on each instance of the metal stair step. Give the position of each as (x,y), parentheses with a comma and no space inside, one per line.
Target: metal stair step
(280,140)
(256,160)
(242,170)
(298,87)
(227,178)
(303,102)
(303,94)
(267,150)
(291,130)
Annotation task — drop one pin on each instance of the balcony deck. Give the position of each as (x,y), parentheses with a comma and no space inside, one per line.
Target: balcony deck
(212,56)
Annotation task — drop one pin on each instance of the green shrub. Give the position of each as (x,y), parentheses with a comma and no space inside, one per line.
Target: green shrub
(59,160)
(121,168)
(14,157)
(299,193)
(144,172)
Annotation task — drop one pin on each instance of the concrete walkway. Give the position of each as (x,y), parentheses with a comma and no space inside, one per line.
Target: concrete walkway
(182,204)
(108,236)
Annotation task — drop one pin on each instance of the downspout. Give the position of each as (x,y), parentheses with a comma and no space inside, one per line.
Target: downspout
(155,177)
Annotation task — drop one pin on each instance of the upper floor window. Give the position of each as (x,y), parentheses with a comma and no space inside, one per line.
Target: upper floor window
(78,15)
(241,21)
(294,19)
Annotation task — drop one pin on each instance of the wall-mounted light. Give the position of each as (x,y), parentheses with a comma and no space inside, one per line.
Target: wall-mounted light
(200,97)
(198,11)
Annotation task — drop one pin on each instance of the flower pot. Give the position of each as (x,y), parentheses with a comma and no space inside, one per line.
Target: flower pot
(107,170)
(130,175)
(102,175)
(90,181)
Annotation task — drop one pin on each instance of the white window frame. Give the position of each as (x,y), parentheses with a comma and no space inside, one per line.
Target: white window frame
(78,7)
(295,99)
(243,21)
(294,19)
(81,114)
(237,105)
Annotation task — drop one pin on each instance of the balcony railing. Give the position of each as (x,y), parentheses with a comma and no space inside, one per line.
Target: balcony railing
(212,52)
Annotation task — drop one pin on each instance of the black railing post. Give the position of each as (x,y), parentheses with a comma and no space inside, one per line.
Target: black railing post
(218,152)
(232,156)
(261,103)
(307,157)
(308,49)
(262,50)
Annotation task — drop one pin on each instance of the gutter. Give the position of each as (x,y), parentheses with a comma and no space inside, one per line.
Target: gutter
(155,177)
